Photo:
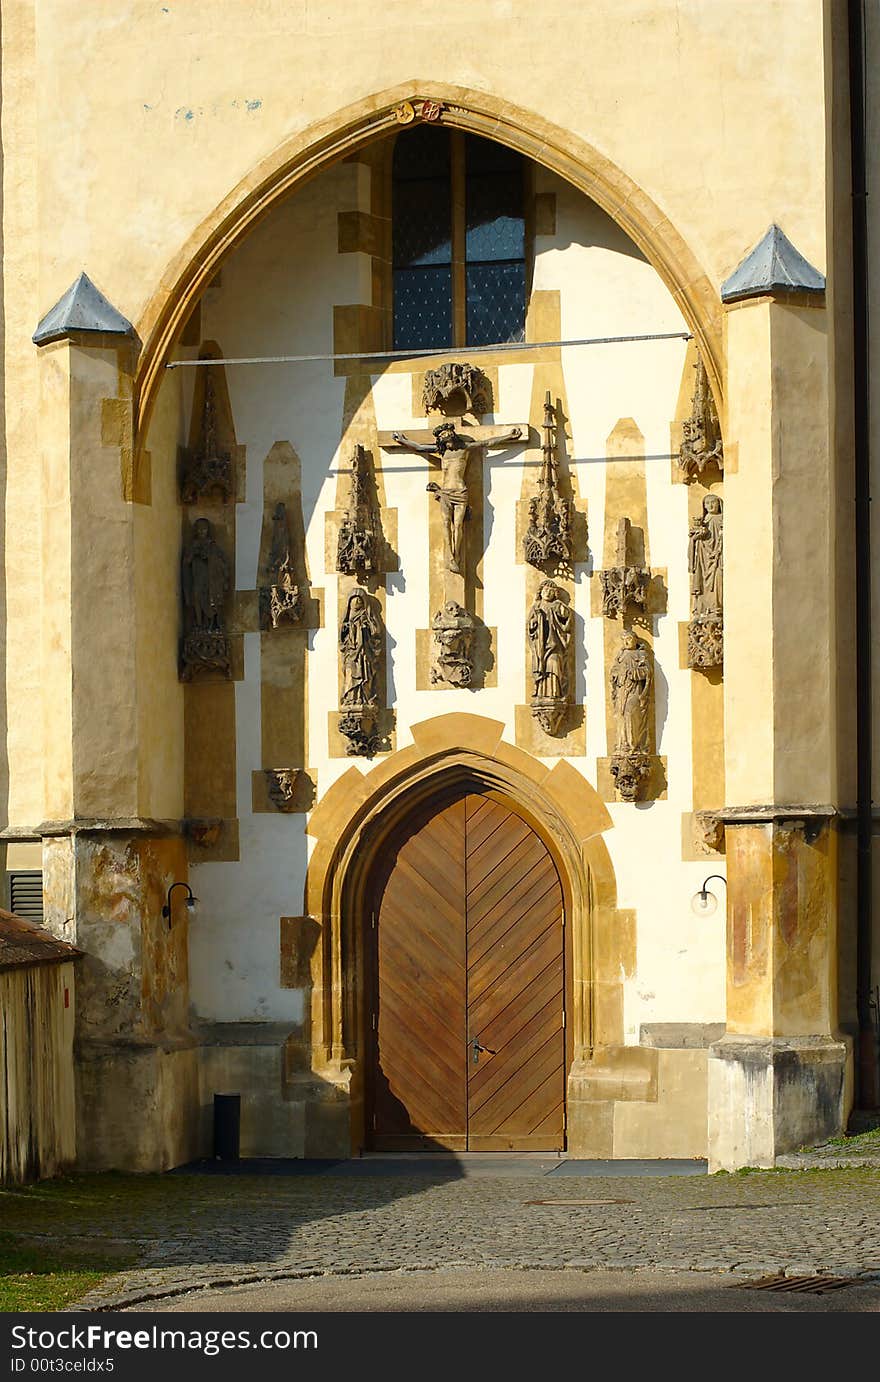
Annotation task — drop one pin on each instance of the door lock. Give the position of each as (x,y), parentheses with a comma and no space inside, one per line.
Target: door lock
(477,1048)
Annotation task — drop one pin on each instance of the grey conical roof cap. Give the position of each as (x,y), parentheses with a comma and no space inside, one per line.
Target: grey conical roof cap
(774,265)
(82,308)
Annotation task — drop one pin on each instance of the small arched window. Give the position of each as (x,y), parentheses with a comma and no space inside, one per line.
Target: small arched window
(459,251)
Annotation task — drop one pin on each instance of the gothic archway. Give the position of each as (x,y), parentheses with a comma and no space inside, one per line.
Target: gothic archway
(372,118)
(361,811)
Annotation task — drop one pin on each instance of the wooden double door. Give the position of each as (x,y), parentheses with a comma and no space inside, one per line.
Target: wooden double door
(467,985)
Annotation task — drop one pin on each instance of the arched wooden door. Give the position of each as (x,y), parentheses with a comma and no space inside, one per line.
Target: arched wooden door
(467,990)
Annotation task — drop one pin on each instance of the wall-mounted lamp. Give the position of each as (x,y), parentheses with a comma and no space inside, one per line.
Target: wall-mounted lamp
(704,903)
(191,901)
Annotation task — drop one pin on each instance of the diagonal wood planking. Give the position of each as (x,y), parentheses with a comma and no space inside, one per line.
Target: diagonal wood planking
(470,944)
(516,983)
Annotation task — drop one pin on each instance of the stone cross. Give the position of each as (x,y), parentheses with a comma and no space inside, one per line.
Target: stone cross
(451,448)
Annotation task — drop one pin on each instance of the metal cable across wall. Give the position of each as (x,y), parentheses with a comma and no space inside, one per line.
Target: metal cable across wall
(511,346)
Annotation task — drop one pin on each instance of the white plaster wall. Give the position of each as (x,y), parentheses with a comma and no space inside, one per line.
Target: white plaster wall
(276,297)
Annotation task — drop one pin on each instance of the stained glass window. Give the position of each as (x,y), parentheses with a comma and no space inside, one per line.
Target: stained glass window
(422,240)
(495,243)
(489,230)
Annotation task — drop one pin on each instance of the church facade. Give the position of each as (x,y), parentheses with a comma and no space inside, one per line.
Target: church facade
(438,658)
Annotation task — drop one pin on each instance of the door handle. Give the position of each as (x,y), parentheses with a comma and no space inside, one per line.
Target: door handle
(477,1048)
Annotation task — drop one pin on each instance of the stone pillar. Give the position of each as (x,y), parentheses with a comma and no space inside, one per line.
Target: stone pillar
(780,1077)
(106,869)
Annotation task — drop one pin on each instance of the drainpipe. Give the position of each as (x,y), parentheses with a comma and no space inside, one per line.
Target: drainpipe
(867,1085)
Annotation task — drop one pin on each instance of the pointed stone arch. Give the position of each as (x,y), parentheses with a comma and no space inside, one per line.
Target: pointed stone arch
(342,134)
(359,813)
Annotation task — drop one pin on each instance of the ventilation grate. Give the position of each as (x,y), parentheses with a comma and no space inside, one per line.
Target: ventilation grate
(26,894)
(811,1285)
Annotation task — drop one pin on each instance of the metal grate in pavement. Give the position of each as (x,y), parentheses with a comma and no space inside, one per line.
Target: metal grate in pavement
(812,1285)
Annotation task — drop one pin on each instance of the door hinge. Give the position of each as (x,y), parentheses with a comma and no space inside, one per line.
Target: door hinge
(563,1018)
(373,921)
(374,1021)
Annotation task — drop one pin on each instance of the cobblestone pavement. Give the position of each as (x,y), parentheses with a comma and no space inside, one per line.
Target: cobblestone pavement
(239,1229)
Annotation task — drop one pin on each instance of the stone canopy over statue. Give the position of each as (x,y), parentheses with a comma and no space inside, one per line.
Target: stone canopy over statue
(451,450)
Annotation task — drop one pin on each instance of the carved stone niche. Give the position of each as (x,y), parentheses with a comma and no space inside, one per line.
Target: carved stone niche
(701,444)
(361,645)
(455,389)
(281,600)
(705,564)
(453,630)
(631,772)
(205,583)
(632,680)
(205,832)
(281,786)
(548,536)
(624,586)
(207,473)
(549,627)
(357,548)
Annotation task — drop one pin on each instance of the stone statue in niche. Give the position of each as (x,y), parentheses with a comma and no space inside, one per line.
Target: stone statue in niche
(631,681)
(452,452)
(360,642)
(358,545)
(453,630)
(205,583)
(280,602)
(548,536)
(701,433)
(624,585)
(705,563)
(281,786)
(455,389)
(549,629)
(207,472)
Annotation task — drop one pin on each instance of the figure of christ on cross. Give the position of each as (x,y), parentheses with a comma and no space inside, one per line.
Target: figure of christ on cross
(452,452)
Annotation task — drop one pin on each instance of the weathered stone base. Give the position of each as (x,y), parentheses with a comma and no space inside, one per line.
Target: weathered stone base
(769,1096)
(282,1114)
(136,1106)
(638,1102)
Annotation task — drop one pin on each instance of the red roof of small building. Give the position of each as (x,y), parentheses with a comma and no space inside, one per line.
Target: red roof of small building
(23,943)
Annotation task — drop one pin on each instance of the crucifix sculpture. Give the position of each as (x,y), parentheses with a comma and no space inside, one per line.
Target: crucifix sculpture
(452,451)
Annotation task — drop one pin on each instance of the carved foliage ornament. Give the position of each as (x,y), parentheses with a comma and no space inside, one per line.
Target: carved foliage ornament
(453,630)
(207,471)
(548,537)
(455,389)
(701,444)
(631,681)
(705,564)
(549,628)
(205,583)
(281,601)
(358,543)
(624,585)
